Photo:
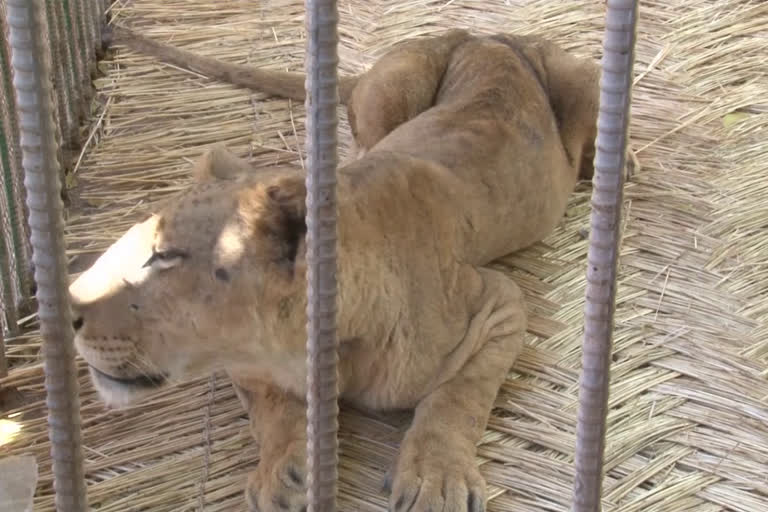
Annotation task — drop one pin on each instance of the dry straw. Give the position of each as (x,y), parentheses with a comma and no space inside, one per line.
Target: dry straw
(688,427)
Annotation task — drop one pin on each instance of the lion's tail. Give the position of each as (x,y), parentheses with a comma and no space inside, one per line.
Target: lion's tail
(277,83)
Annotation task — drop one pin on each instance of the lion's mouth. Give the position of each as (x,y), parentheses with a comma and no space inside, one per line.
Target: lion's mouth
(142,381)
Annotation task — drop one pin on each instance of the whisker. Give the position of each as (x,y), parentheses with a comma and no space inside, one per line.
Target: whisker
(140,369)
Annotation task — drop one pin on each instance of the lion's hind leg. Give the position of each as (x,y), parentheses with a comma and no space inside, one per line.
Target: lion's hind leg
(400,85)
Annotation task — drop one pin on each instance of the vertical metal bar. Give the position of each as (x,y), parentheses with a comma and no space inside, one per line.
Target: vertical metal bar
(32,81)
(3,361)
(13,260)
(10,205)
(14,211)
(99,14)
(10,315)
(79,43)
(602,257)
(64,75)
(322,358)
(76,62)
(7,301)
(85,21)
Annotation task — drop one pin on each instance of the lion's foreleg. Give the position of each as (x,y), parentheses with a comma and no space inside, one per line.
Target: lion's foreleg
(436,467)
(278,422)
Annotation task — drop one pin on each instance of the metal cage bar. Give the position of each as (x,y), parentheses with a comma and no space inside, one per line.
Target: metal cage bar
(66,75)
(76,62)
(322,120)
(602,257)
(86,28)
(31,65)
(3,362)
(98,9)
(6,296)
(17,251)
(75,32)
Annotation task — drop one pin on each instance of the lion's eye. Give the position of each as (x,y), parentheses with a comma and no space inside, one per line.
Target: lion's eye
(165,259)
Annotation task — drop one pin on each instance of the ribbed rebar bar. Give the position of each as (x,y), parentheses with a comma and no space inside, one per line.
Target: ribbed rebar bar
(76,60)
(10,206)
(32,82)
(85,20)
(7,304)
(14,219)
(3,361)
(602,257)
(322,387)
(63,74)
(99,10)
(11,267)
(7,300)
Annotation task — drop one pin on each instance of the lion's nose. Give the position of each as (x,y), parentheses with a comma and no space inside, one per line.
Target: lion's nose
(78,319)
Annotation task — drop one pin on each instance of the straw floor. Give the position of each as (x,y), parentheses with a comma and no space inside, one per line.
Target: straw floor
(689,402)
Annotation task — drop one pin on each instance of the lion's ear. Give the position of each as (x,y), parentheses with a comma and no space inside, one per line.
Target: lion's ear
(287,201)
(219,163)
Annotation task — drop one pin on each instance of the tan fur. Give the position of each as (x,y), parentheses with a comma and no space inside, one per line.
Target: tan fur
(482,169)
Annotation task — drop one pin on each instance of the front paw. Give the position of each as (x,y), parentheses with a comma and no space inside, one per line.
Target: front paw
(447,480)
(279,484)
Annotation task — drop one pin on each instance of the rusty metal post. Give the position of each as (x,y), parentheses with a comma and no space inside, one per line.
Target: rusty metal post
(322,358)
(31,65)
(602,258)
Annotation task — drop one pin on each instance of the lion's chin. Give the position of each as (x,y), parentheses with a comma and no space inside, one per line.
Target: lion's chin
(118,393)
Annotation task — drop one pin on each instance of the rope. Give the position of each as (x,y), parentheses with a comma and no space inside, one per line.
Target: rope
(32,82)
(321,125)
(610,158)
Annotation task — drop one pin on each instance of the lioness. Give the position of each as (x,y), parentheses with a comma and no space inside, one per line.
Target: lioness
(473,145)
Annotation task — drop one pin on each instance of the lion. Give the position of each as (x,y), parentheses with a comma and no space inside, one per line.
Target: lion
(471,147)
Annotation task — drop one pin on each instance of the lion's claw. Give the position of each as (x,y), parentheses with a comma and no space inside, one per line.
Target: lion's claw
(475,504)
(437,484)
(279,485)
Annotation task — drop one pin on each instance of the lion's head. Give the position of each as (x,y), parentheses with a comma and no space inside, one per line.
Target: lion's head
(200,285)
